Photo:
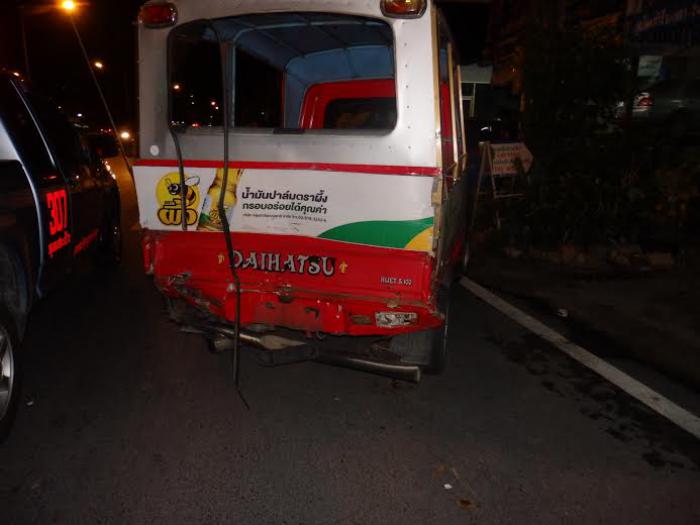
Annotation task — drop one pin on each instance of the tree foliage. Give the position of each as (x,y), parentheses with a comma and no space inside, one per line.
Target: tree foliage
(585,185)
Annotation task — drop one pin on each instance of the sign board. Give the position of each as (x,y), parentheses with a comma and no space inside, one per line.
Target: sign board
(504,157)
(650,65)
(361,208)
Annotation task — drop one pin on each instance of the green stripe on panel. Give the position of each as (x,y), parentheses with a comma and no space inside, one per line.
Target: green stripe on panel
(391,234)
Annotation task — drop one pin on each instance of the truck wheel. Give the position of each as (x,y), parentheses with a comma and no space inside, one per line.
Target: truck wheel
(427,349)
(9,372)
(109,247)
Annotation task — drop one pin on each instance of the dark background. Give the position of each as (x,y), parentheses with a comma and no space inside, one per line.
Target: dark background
(108,29)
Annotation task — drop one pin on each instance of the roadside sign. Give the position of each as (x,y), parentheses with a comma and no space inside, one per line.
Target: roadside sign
(503,164)
(504,158)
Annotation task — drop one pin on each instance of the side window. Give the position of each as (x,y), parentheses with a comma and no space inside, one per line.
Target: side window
(24,133)
(257,104)
(70,152)
(195,77)
(360,113)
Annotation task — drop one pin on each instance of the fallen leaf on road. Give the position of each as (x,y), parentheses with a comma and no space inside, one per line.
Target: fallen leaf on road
(465,504)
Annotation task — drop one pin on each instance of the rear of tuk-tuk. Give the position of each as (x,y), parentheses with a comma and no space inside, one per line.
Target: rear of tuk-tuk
(343,193)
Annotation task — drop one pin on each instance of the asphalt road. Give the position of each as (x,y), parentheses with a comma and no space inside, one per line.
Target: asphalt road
(126,420)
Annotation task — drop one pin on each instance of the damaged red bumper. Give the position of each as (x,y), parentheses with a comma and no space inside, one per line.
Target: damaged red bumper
(314,285)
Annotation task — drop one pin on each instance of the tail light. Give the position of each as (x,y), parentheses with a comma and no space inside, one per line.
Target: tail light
(403,8)
(645,101)
(154,15)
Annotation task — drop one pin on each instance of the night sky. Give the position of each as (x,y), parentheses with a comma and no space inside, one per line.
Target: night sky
(108,29)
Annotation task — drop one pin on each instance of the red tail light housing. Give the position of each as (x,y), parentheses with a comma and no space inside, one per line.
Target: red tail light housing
(403,8)
(154,15)
(645,102)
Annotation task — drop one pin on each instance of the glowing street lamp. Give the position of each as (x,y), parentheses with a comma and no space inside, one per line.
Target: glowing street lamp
(125,135)
(98,64)
(69,6)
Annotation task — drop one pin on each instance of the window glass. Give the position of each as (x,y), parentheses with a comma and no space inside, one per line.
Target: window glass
(22,130)
(195,77)
(271,61)
(70,151)
(361,113)
(258,102)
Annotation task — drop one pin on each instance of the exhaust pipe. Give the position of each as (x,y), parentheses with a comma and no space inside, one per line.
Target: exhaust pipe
(410,373)
(276,345)
(266,342)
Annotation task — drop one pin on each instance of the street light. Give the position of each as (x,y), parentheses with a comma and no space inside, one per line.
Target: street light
(98,64)
(69,6)
(27,9)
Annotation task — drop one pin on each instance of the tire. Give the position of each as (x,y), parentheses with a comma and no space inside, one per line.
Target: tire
(427,349)
(10,375)
(109,245)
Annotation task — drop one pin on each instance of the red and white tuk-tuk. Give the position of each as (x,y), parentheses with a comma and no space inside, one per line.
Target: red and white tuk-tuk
(300,180)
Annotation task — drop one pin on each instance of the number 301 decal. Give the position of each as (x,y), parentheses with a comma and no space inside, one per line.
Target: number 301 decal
(57,205)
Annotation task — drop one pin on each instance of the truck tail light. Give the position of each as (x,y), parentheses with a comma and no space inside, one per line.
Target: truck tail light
(403,8)
(154,15)
(645,102)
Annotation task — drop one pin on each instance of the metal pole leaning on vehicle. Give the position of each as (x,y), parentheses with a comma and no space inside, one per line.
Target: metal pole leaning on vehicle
(225,226)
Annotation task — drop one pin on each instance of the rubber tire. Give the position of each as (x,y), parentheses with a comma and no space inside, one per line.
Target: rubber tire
(427,349)
(109,245)
(438,350)
(8,326)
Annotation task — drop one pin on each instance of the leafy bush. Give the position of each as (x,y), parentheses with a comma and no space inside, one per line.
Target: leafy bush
(588,183)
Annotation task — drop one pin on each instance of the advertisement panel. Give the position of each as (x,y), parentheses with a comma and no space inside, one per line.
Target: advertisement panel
(373,209)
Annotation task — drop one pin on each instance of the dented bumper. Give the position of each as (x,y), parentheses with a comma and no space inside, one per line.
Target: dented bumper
(308,284)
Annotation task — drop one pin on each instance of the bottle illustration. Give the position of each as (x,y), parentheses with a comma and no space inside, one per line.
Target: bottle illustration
(209,219)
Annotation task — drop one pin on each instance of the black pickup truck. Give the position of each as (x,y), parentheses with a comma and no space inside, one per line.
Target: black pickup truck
(58,203)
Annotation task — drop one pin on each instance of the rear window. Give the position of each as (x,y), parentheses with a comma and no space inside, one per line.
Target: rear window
(360,113)
(270,62)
